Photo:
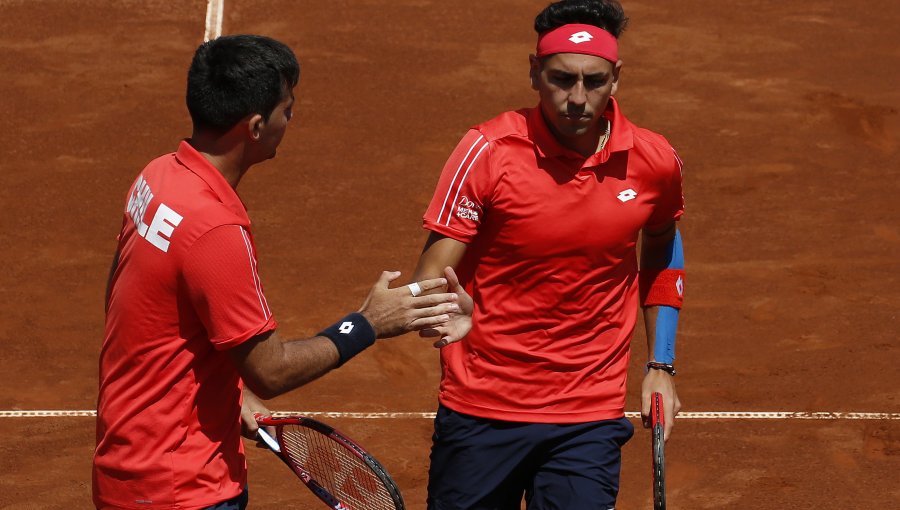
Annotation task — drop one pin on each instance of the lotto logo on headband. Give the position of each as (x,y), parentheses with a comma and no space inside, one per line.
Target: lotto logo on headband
(578,38)
(581,37)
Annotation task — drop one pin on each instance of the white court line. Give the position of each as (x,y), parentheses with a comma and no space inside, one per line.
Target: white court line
(214,11)
(714,415)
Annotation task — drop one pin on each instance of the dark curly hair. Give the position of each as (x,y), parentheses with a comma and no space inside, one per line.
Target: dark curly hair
(606,14)
(234,76)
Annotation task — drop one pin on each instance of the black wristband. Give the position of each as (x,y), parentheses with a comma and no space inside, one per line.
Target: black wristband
(665,367)
(351,335)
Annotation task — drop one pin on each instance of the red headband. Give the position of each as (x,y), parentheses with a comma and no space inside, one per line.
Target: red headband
(583,39)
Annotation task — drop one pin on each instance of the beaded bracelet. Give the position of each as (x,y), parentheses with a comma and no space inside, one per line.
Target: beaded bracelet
(665,367)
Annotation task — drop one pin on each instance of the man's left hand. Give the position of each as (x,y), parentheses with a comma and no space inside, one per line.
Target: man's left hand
(657,381)
(251,407)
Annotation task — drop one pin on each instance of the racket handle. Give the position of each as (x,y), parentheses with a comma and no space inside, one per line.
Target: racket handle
(267,438)
(657,410)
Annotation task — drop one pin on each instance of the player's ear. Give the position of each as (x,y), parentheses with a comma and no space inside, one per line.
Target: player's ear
(534,70)
(255,125)
(615,77)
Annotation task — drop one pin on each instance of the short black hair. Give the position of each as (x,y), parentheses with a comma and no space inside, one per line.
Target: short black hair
(238,75)
(606,14)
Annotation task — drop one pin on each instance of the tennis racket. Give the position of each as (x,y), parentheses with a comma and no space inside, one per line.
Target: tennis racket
(657,429)
(337,470)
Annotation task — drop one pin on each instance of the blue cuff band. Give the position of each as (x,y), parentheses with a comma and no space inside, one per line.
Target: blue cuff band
(351,335)
(666,326)
(675,258)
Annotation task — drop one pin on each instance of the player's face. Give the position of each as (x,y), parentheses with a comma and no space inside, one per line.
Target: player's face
(574,90)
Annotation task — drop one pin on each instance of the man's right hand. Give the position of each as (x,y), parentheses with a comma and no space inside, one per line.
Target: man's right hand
(396,311)
(460,323)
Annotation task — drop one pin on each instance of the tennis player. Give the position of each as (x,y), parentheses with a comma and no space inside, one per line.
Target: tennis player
(540,211)
(187,321)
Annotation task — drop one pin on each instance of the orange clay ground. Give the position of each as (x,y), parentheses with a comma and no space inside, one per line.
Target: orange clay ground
(786,114)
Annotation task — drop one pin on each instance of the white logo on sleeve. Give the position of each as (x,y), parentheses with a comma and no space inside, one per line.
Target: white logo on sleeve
(679,286)
(163,223)
(346,327)
(580,37)
(467,209)
(628,194)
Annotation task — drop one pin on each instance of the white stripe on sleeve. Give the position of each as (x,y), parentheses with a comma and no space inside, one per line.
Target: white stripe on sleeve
(463,180)
(450,187)
(264,305)
(680,163)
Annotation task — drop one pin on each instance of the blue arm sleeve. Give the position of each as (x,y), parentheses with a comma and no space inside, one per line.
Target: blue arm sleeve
(667,318)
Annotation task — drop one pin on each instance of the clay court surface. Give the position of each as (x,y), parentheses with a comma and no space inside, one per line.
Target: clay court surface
(786,114)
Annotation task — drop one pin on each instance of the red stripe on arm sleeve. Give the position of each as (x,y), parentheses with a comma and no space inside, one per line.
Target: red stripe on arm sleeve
(224,286)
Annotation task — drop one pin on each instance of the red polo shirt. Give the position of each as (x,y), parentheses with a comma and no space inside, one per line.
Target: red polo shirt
(186,289)
(551,264)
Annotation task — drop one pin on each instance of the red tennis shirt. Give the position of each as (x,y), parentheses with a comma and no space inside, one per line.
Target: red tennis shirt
(186,289)
(551,264)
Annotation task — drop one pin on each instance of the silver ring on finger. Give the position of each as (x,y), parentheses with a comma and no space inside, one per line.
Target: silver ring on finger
(414,289)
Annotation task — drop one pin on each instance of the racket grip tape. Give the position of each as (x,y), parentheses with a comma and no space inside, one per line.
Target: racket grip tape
(657,410)
(269,441)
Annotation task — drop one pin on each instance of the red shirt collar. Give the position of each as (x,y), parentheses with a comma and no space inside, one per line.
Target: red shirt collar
(621,137)
(195,162)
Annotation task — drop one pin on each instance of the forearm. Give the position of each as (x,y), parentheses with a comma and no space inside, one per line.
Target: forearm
(661,325)
(304,360)
(438,253)
(273,366)
(662,285)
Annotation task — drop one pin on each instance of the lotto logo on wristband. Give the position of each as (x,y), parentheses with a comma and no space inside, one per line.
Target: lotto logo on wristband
(662,287)
(349,339)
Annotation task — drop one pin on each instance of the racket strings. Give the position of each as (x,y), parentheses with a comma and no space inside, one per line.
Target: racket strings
(339,471)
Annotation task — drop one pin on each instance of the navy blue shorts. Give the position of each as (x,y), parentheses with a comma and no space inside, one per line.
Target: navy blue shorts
(238,502)
(482,464)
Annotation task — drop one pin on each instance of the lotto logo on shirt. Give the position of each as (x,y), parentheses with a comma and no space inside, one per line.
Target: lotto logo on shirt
(163,223)
(467,209)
